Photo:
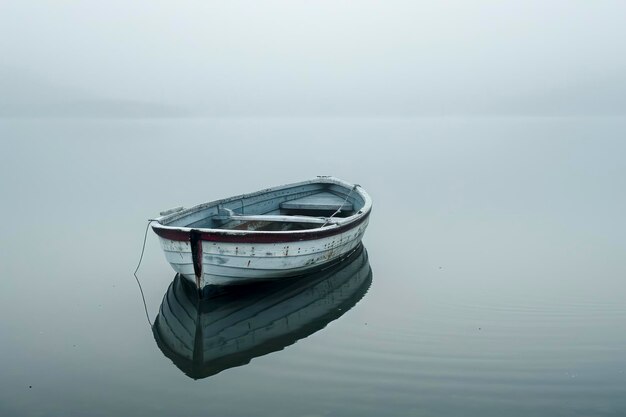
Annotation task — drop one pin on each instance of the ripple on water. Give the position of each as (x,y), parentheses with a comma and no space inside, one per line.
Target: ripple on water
(551,354)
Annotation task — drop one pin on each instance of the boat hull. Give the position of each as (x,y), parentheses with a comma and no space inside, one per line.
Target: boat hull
(233,262)
(273,233)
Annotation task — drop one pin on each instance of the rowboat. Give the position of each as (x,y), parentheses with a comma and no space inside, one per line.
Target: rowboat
(274,233)
(203,337)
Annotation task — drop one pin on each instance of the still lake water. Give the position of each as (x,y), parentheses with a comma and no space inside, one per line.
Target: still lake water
(493,282)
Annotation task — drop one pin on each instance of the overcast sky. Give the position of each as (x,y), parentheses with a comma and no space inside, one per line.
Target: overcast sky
(315,58)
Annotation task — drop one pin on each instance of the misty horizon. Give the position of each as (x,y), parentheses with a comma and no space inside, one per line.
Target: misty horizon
(280,59)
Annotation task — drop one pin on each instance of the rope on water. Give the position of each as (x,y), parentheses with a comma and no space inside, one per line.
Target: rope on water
(143,248)
(341,206)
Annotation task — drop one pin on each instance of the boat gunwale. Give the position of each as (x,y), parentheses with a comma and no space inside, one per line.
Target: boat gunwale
(182,233)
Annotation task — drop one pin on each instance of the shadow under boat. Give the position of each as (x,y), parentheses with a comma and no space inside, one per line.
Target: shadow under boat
(206,336)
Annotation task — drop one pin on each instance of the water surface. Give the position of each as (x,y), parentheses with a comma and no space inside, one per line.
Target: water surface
(496,249)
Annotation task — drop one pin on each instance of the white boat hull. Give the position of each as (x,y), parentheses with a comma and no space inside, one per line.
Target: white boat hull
(273,233)
(238,263)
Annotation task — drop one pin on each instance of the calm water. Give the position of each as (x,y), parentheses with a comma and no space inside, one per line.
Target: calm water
(493,282)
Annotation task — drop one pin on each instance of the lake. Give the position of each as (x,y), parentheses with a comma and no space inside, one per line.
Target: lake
(491,282)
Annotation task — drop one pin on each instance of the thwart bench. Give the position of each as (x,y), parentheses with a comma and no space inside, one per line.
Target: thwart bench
(321,201)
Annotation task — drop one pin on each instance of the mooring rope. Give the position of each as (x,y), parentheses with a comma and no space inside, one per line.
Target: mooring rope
(143,248)
(341,206)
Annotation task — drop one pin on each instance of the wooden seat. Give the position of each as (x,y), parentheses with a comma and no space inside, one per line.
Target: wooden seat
(276,218)
(321,201)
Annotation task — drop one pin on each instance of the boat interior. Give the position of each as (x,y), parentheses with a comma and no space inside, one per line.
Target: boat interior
(299,207)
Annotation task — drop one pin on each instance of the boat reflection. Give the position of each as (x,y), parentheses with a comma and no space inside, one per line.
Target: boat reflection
(205,337)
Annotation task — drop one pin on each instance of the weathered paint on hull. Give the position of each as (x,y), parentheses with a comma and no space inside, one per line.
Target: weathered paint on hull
(205,250)
(225,263)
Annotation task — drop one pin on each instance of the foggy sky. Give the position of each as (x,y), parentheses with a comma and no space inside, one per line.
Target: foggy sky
(306,58)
